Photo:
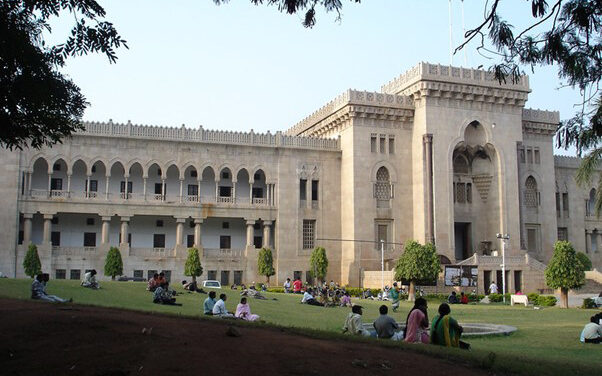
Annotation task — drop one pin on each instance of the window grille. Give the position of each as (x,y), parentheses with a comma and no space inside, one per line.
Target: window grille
(531,194)
(309,233)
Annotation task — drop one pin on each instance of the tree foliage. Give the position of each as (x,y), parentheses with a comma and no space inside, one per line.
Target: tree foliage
(418,262)
(113,263)
(306,6)
(318,263)
(31,262)
(265,263)
(564,271)
(193,266)
(39,105)
(585,261)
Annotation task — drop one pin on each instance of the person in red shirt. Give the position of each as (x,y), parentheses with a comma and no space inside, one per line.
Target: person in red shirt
(297,284)
(463,298)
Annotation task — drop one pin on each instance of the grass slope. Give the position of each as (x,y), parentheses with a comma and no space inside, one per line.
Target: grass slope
(547,340)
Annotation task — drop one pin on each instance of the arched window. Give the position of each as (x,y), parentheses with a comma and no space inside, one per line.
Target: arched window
(531,193)
(591,203)
(460,165)
(383,190)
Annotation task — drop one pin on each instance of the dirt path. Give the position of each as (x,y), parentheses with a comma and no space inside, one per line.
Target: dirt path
(49,339)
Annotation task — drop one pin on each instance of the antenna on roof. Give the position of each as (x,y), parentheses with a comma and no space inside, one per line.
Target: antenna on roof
(451,39)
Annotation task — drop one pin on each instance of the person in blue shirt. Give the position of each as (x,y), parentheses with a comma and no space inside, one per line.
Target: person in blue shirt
(209,303)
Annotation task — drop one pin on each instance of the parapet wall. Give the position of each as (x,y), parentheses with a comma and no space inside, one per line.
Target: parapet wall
(251,138)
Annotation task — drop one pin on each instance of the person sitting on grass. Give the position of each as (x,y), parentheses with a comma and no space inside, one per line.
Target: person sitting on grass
(38,290)
(219,309)
(592,332)
(209,303)
(463,298)
(386,326)
(417,323)
(163,295)
(153,283)
(161,280)
(243,311)
(353,322)
(445,330)
(453,298)
(192,287)
(90,280)
(308,298)
(345,300)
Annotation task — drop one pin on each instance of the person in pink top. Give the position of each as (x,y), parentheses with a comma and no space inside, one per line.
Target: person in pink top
(243,311)
(346,300)
(417,323)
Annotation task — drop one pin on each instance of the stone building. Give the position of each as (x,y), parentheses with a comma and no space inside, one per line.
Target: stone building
(441,154)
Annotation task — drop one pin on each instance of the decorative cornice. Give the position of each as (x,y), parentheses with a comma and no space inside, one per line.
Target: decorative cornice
(540,122)
(354,103)
(449,74)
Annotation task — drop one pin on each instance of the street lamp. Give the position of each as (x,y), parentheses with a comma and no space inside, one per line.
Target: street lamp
(382,265)
(503,238)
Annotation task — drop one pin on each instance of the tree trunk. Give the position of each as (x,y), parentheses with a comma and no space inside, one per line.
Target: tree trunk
(268,277)
(564,297)
(112,278)
(193,279)
(412,292)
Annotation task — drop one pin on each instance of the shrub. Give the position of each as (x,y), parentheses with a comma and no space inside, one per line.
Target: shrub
(113,263)
(533,296)
(318,263)
(495,298)
(192,267)
(276,289)
(564,271)
(589,303)
(585,261)
(475,297)
(546,301)
(265,263)
(31,262)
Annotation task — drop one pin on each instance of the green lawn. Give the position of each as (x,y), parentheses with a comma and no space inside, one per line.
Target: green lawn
(547,340)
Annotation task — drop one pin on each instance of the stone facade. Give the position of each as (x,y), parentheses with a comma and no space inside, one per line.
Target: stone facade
(441,154)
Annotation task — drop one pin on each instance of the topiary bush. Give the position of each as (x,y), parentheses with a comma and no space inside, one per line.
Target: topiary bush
(588,303)
(31,262)
(546,301)
(533,296)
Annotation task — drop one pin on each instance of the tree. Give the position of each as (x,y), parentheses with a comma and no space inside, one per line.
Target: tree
(31,262)
(585,261)
(318,263)
(265,263)
(417,263)
(193,266)
(39,105)
(113,263)
(564,271)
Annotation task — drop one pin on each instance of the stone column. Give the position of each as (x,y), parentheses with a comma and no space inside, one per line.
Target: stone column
(162,189)
(250,193)
(28,184)
(198,191)
(599,241)
(27,217)
(266,234)
(250,232)
(47,229)
(106,227)
(588,241)
(234,190)
(125,190)
(181,189)
(308,193)
(124,232)
(144,188)
(180,231)
(216,189)
(88,186)
(197,232)
(427,141)
(107,178)
(68,185)
(49,181)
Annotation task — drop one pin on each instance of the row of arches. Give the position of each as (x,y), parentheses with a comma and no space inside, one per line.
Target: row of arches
(91,166)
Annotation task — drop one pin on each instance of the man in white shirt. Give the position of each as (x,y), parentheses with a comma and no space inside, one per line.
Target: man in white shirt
(219,309)
(308,298)
(353,323)
(493,288)
(287,286)
(592,333)
(90,280)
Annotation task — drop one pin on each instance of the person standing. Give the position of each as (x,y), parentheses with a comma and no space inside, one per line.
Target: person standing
(493,288)
(394,296)
(287,286)
(386,326)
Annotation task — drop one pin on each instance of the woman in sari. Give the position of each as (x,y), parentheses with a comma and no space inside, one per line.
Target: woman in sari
(417,323)
(243,311)
(445,330)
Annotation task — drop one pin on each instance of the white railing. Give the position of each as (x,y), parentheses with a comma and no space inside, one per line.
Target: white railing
(38,193)
(157,197)
(225,200)
(92,195)
(55,194)
(149,252)
(260,201)
(73,251)
(125,196)
(221,253)
(191,198)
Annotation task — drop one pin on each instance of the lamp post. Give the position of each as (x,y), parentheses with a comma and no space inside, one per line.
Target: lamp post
(382,265)
(503,238)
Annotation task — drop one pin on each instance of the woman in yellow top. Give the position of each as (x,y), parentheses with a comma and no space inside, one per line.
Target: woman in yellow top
(445,330)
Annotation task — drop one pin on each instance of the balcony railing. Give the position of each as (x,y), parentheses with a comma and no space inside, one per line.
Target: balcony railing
(149,252)
(222,253)
(73,251)
(225,200)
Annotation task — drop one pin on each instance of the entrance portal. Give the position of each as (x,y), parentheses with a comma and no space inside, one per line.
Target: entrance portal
(463,240)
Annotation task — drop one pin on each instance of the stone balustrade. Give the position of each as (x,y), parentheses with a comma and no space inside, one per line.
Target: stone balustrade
(73,251)
(220,253)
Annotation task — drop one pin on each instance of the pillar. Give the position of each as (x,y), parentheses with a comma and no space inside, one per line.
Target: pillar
(216,190)
(197,232)
(250,232)
(233,191)
(308,192)
(27,217)
(49,181)
(47,229)
(588,241)
(69,185)
(126,190)
(266,234)
(427,140)
(87,186)
(181,188)
(144,188)
(162,189)
(251,193)
(198,191)
(599,241)
(107,177)
(180,231)
(106,227)
(124,231)
(28,192)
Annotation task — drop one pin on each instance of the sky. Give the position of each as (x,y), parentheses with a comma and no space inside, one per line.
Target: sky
(240,67)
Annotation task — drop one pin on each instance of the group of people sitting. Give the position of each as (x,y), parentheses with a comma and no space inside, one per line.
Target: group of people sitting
(592,332)
(444,331)
(453,298)
(217,308)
